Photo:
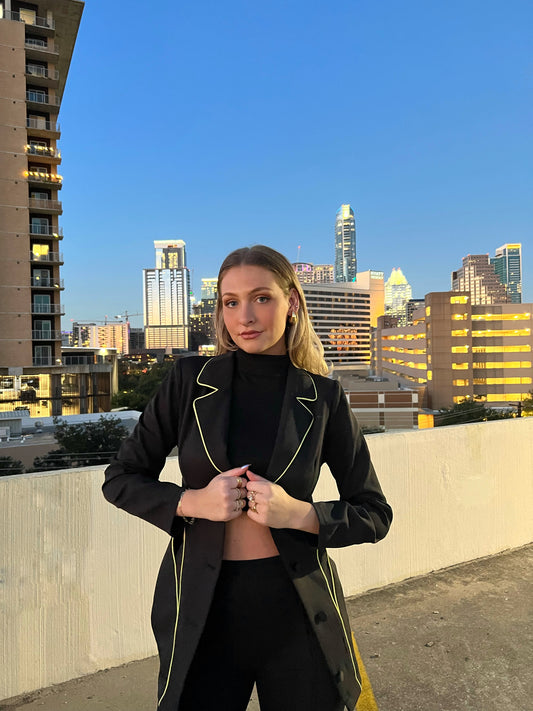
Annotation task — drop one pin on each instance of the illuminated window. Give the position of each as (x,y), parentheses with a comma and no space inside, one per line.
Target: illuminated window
(428,310)
(459,317)
(459,349)
(460,366)
(490,333)
(461,383)
(430,375)
(460,332)
(505,397)
(458,299)
(501,317)
(503,364)
(502,349)
(502,381)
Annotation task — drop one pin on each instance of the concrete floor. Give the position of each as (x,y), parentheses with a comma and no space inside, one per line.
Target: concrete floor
(455,640)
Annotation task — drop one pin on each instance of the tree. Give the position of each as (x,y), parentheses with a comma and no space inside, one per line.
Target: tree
(137,389)
(83,445)
(468,411)
(10,466)
(527,405)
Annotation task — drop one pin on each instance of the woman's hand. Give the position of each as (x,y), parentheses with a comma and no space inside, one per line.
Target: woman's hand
(223,499)
(270,505)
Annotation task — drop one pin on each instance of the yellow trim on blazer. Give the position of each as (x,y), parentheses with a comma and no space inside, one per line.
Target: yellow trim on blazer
(178,599)
(201,397)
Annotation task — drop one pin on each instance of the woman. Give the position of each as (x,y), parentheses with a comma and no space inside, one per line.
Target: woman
(246,592)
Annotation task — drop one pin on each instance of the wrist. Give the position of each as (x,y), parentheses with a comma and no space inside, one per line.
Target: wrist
(184,509)
(305,518)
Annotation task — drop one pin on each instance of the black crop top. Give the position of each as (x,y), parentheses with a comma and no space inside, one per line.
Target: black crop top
(256,399)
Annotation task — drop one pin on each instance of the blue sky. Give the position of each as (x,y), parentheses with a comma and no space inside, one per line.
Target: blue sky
(237,122)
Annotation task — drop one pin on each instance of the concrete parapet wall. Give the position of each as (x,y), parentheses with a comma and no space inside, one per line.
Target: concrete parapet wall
(76,574)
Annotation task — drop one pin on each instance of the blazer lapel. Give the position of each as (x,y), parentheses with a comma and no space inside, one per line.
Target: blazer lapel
(297,417)
(211,408)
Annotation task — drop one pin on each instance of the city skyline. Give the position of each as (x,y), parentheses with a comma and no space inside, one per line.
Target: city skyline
(238,143)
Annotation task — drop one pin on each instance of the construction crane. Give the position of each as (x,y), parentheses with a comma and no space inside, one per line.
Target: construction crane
(127,315)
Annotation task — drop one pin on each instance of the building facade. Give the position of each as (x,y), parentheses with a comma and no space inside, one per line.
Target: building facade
(167,298)
(340,314)
(309,273)
(398,293)
(103,335)
(478,276)
(508,266)
(345,245)
(461,350)
(36,45)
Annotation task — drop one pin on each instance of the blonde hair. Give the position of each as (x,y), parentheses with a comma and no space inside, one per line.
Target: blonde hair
(303,345)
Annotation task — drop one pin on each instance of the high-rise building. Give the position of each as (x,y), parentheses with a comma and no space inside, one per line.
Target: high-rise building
(323,274)
(167,298)
(36,45)
(345,254)
(209,288)
(508,266)
(340,314)
(304,271)
(102,335)
(373,282)
(461,350)
(397,294)
(478,276)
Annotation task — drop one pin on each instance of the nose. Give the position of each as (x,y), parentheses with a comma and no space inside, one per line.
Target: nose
(246,314)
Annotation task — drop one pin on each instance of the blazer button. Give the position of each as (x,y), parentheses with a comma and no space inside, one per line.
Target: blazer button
(339,676)
(295,566)
(320,617)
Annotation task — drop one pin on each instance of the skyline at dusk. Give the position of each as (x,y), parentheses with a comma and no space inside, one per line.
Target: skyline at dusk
(234,124)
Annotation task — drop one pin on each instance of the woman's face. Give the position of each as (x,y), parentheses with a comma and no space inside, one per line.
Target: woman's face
(256,309)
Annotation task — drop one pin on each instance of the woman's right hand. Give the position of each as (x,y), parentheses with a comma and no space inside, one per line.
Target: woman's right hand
(223,499)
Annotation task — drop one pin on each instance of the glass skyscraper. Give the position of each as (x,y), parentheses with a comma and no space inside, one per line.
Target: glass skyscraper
(345,259)
(508,266)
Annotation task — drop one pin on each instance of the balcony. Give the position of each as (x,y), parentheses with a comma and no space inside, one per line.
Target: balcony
(38,99)
(47,231)
(49,258)
(48,309)
(42,128)
(42,177)
(42,205)
(40,361)
(44,152)
(46,335)
(43,25)
(41,76)
(40,283)
(41,50)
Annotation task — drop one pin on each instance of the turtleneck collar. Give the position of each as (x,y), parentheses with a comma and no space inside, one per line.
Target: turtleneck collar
(258,364)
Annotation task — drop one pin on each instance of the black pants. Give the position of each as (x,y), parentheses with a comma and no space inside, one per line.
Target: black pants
(257,632)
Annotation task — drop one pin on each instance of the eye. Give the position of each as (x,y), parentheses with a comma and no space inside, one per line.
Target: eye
(230,303)
(263,299)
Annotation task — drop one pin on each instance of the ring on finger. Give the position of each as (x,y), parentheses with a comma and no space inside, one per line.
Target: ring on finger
(253,506)
(251,496)
(239,482)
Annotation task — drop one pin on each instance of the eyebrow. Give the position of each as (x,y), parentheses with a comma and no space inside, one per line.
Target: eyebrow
(253,291)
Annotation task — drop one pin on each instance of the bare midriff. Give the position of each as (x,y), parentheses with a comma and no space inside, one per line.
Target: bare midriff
(246,540)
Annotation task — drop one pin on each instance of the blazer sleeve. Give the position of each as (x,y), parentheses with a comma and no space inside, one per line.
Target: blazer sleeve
(362,514)
(132,478)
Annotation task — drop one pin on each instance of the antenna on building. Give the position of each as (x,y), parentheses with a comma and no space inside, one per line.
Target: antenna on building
(298,256)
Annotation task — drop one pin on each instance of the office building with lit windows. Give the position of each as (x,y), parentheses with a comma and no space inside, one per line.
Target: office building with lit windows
(460,350)
(36,45)
(340,314)
(398,293)
(478,276)
(345,245)
(507,264)
(167,298)
(102,335)
(309,273)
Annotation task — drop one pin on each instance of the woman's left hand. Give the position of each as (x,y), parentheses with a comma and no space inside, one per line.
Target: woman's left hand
(270,505)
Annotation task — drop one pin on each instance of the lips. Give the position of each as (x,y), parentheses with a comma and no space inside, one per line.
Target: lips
(250,334)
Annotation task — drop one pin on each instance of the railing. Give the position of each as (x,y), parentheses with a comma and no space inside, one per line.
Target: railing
(42,124)
(42,204)
(42,151)
(41,46)
(51,257)
(38,97)
(43,360)
(46,335)
(35,71)
(39,282)
(44,22)
(47,230)
(41,177)
(47,309)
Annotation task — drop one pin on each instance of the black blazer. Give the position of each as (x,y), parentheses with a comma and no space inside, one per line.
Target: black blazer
(191,409)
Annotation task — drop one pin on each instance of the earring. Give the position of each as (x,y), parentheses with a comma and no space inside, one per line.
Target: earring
(294,317)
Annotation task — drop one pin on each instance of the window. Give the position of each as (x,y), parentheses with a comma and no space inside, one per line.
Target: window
(28,16)
(461,383)
(459,349)
(460,332)
(460,366)
(458,299)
